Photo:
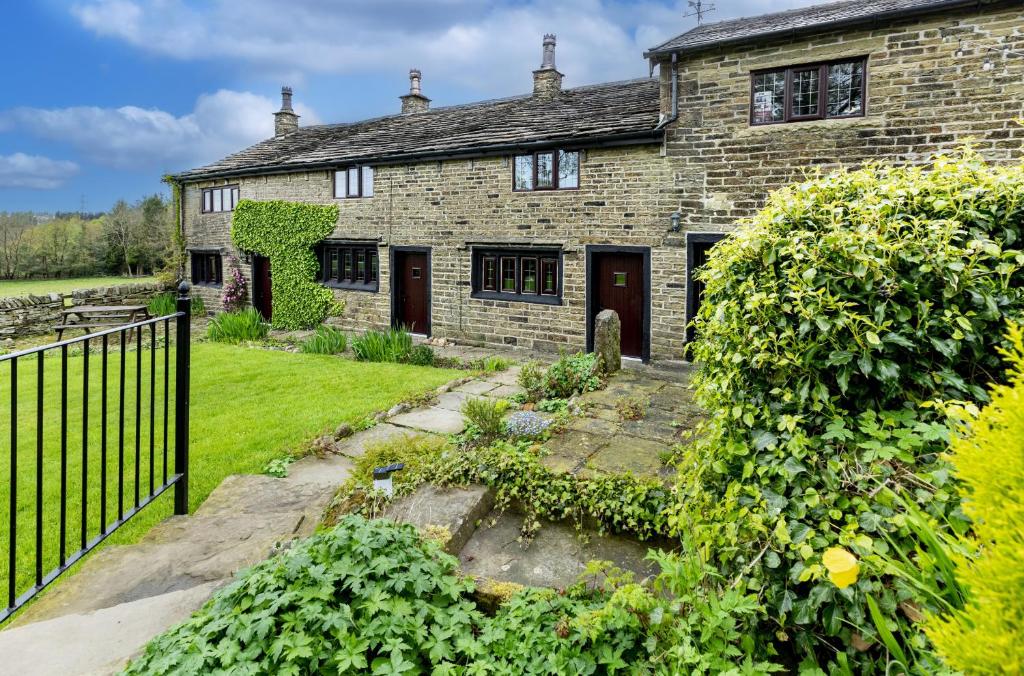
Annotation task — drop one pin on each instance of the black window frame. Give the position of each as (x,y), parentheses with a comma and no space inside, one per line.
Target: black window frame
(207,267)
(555,186)
(347,256)
(498,254)
(823,72)
(233,190)
(360,182)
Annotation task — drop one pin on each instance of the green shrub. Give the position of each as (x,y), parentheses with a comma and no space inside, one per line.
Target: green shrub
(486,415)
(827,324)
(421,355)
(987,635)
(494,364)
(531,379)
(392,345)
(237,327)
(165,304)
(573,374)
(326,340)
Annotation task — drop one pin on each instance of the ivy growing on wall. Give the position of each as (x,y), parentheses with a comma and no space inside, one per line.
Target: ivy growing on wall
(176,264)
(285,232)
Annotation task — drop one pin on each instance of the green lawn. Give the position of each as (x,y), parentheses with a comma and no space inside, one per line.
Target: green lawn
(38,287)
(248,406)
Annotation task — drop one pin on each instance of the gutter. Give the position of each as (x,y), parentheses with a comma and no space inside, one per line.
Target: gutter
(646,137)
(870,19)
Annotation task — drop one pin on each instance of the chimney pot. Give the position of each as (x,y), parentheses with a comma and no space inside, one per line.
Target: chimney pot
(415,101)
(285,120)
(547,81)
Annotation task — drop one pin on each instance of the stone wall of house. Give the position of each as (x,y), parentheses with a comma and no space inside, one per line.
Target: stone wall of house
(921,99)
(37,315)
(626,197)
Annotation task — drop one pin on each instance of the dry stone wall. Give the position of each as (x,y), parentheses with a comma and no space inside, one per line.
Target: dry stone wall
(36,315)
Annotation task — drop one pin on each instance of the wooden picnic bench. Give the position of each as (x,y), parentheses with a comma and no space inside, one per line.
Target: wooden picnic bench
(89,317)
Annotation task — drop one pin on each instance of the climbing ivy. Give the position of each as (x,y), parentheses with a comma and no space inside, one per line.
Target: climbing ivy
(176,263)
(285,232)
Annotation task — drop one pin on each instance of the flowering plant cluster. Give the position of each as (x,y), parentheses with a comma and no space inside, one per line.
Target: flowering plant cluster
(526,424)
(234,295)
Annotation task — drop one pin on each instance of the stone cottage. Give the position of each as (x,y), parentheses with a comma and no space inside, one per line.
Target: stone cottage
(514,221)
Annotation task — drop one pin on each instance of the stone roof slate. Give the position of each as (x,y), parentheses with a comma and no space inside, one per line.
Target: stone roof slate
(799,21)
(578,116)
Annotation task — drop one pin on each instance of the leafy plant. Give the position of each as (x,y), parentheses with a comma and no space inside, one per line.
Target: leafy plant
(494,364)
(531,379)
(165,304)
(573,374)
(285,232)
(487,415)
(829,322)
(421,355)
(233,296)
(326,340)
(552,405)
(278,467)
(526,425)
(392,345)
(632,407)
(986,635)
(237,327)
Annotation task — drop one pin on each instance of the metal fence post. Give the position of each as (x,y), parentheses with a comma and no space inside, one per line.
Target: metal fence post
(181,390)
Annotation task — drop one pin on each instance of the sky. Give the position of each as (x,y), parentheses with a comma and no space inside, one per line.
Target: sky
(100,98)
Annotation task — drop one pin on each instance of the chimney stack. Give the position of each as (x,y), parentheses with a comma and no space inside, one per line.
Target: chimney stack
(414,101)
(285,120)
(547,81)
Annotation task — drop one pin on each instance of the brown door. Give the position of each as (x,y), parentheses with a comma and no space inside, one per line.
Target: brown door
(412,291)
(619,286)
(262,296)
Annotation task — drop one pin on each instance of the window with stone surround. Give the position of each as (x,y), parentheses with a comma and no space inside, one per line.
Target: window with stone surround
(349,265)
(353,182)
(206,268)
(817,91)
(546,170)
(529,275)
(222,198)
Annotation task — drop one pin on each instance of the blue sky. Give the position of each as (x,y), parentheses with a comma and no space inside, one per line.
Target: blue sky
(102,97)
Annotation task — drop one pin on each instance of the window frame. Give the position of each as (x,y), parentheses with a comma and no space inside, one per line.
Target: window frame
(199,259)
(541,256)
(347,252)
(234,193)
(822,112)
(361,182)
(555,182)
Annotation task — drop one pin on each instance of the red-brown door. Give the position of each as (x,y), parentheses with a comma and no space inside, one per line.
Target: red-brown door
(412,291)
(262,296)
(619,285)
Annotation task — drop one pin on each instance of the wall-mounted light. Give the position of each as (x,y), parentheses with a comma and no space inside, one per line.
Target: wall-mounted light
(959,53)
(247,257)
(675,218)
(988,65)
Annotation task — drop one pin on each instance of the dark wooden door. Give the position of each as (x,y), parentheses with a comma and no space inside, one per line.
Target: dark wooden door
(262,295)
(619,286)
(412,291)
(697,252)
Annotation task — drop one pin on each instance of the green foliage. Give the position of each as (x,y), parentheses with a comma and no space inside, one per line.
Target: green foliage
(237,327)
(174,271)
(632,407)
(552,405)
(392,345)
(987,634)
(421,355)
(486,415)
(165,304)
(531,379)
(326,340)
(278,467)
(285,232)
(494,364)
(363,596)
(829,322)
(573,374)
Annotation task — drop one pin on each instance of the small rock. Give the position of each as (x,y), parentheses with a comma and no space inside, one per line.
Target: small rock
(397,409)
(343,431)
(381,416)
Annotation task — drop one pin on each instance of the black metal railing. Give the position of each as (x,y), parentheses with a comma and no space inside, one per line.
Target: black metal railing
(55,443)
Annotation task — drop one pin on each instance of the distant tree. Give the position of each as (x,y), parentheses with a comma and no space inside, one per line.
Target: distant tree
(14,228)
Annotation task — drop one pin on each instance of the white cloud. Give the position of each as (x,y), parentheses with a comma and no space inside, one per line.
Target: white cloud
(34,171)
(131,137)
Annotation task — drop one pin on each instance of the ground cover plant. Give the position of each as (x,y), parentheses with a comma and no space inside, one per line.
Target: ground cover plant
(325,340)
(375,597)
(243,326)
(249,406)
(830,324)
(41,287)
(572,374)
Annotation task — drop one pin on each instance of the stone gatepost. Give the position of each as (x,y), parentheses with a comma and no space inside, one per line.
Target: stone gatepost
(607,339)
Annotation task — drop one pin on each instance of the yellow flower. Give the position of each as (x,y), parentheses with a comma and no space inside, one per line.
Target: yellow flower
(842,566)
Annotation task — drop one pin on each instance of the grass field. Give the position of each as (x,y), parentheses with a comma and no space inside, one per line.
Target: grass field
(247,407)
(38,287)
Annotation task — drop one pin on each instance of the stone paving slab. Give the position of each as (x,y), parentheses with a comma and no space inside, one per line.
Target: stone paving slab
(99,642)
(506,391)
(432,419)
(456,509)
(555,558)
(355,446)
(477,387)
(570,450)
(623,454)
(452,401)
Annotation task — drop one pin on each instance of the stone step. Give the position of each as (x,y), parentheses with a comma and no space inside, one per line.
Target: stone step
(97,642)
(456,509)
